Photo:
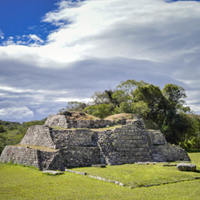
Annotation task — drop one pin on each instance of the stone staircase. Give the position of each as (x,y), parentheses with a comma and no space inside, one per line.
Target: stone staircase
(128,144)
(132,144)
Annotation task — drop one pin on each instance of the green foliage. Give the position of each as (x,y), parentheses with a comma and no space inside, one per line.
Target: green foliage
(178,127)
(129,86)
(175,96)
(74,106)
(14,132)
(124,107)
(2,129)
(2,141)
(153,97)
(161,109)
(100,98)
(140,108)
(100,110)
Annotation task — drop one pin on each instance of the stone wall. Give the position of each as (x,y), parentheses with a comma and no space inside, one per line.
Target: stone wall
(61,121)
(157,138)
(82,147)
(170,153)
(41,135)
(68,156)
(78,137)
(76,156)
(127,144)
(45,158)
(38,135)
(57,120)
(20,155)
(93,123)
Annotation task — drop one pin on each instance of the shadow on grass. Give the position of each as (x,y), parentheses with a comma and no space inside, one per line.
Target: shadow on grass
(193,151)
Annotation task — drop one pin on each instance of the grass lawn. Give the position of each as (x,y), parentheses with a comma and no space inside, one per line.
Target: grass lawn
(134,175)
(17,182)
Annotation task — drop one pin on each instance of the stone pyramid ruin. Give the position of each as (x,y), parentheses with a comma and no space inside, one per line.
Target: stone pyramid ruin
(83,143)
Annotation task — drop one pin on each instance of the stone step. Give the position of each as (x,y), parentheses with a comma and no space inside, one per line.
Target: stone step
(131,154)
(132,149)
(130,145)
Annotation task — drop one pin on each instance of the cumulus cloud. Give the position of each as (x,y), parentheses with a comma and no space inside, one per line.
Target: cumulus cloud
(16,113)
(96,45)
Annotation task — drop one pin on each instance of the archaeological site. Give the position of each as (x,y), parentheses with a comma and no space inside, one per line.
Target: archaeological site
(64,142)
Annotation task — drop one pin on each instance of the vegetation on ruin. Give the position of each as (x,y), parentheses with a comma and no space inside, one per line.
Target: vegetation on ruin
(18,182)
(116,117)
(163,109)
(41,148)
(76,115)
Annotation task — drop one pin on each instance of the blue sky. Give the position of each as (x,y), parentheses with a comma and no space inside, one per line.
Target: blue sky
(52,52)
(23,17)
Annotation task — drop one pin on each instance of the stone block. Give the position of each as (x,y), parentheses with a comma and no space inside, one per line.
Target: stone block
(186,167)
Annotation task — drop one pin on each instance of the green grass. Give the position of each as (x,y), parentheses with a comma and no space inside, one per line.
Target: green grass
(134,175)
(93,129)
(17,182)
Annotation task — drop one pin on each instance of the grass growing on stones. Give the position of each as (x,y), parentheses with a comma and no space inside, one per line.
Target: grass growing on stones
(41,148)
(93,129)
(107,128)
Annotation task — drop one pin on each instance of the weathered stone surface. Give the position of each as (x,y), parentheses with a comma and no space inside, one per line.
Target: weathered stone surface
(78,137)
(128,144)
(74,156)
(20,155)
(38,135)
(168,152)
(57,120)
(157,138)
(60,120)
(45,136)
(82,147)
(186,167)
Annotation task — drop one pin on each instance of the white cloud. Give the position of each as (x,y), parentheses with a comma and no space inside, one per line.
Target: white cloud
(16,113)
(133,29)
(43,111)
(35,38)
(98,44)
(1,35)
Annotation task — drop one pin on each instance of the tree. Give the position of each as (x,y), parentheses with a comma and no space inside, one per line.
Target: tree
(101,110)
(100,98)
(154,99)
(2,129)
(129,86)
(140,108)
(3,138)
(74,106)
(177,127)
(175,96)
